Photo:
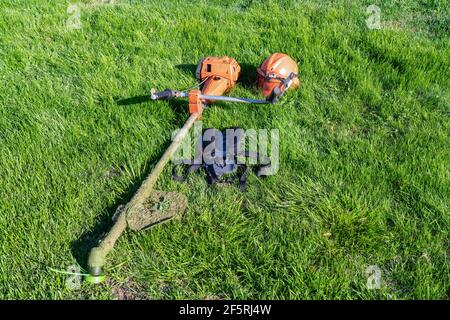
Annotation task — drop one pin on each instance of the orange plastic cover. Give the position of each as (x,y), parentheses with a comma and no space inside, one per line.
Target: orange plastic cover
(195,104)
(219,74)
(224,67)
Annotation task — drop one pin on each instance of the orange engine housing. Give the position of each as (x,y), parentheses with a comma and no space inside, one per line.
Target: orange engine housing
(219,74)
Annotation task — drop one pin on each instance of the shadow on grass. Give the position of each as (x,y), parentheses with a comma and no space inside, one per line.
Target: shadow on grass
(134,100)
(248,76)
(188,68)
(179,106)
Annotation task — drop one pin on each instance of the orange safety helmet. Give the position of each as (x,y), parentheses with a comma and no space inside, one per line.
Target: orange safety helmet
(277,71)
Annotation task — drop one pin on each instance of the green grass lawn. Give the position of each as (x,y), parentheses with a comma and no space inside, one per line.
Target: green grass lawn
(364,156)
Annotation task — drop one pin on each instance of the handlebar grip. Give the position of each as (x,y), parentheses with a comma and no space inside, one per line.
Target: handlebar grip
(276,94)
(166,94)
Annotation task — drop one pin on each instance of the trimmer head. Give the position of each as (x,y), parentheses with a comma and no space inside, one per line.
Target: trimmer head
(95,279)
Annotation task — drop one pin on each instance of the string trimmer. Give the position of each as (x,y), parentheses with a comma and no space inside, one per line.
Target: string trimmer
(217,75)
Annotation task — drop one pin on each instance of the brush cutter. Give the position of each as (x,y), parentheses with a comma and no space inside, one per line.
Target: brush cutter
(217,75)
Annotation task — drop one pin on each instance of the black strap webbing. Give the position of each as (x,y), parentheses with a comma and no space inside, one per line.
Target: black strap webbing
(243,178)
(189,169)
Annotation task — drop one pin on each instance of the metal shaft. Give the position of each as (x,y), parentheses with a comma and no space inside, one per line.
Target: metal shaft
(169,94)
(233,99)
